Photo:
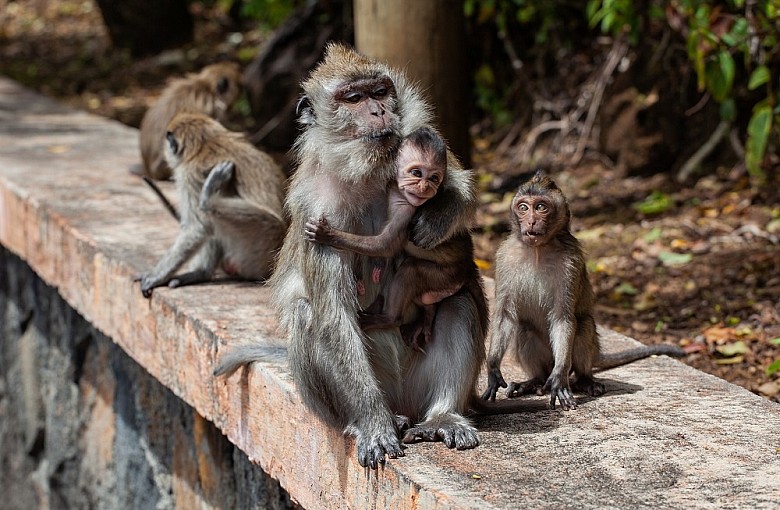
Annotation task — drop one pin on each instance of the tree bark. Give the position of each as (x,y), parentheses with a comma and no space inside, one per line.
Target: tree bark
(428,40)
(145,27)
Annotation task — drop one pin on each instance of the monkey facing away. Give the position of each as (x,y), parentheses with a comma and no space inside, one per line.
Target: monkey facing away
(544,304)
(425,277)
(358,111)
(231,205)
(211,92)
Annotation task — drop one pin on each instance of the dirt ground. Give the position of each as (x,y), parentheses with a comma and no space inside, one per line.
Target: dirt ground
(695,264)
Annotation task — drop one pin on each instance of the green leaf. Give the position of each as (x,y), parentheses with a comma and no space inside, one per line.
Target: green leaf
(656,203)
(732,349)
(728,110)
(720,75)
(758,132)
(773,368)
(759,77)
(626,288)
(670,258)
(775,341)
(653,235)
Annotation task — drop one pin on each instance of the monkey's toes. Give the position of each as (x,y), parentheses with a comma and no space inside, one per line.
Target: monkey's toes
(372,451)
(565,398)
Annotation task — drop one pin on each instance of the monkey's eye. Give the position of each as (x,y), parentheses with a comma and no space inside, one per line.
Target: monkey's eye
(522,207)
(353,97)
(172,143)
(542,208)
(416,172)
(434,178)
(379,92)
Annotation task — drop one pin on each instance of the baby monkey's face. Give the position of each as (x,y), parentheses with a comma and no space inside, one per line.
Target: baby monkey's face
(419,176)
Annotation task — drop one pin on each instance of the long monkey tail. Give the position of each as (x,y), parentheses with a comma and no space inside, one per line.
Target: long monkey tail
(616,359)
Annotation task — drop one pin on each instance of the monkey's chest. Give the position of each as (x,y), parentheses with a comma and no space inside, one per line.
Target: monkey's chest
(538,295)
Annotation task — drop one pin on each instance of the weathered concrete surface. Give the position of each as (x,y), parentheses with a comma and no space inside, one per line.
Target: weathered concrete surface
(664,435)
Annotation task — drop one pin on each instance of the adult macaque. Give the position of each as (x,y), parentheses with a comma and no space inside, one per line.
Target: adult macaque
(211,92)
(230,199)
(358,112)
(425,277)
(544,304)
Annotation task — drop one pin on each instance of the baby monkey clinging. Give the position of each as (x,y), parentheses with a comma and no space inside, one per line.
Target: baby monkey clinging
(544,303)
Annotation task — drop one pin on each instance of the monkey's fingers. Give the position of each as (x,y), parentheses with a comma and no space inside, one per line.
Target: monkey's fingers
(565,397)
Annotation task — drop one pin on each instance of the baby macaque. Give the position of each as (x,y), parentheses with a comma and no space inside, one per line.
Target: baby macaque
(544,304)
(211,92)
(230,199)
(425,277)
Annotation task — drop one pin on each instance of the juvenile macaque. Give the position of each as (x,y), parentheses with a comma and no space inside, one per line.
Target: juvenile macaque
(211,92)
(425,277)
(357,113)
(544,304)
(230,199)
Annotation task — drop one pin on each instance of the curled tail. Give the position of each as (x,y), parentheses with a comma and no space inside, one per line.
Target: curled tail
(241,355)
(616,359)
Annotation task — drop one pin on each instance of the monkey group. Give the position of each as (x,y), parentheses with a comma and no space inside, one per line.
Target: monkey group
(368,253)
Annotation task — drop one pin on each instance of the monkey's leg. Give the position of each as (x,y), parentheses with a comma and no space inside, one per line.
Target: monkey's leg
(208,258)
(334,375)
(217,180)
(535,357)
(443,395)
(586,351)
(562,341)
(190,238)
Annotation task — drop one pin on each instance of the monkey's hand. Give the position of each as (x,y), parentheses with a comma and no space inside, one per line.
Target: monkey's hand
(218,178)
(561,392)
(495,381)
(148,282)
(319,231)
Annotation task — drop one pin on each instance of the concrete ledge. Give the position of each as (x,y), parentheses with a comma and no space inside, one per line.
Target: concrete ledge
(665,435)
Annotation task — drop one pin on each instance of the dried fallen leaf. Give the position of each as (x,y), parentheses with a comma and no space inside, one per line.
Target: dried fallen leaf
(770,389)
(733,349)
(730,361)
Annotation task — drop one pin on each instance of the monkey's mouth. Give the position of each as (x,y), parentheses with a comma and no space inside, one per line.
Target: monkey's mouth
(379,135)
(533,236)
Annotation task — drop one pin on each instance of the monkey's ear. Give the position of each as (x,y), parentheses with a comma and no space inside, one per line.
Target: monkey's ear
(305,111)
(222,85)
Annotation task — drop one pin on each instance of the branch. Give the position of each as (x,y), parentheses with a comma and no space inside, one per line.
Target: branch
(707,147)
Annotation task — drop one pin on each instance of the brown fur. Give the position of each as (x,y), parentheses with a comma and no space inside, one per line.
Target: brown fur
(211,92)
(230,195)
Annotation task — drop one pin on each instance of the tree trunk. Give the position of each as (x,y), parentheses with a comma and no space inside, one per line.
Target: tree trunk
(147,27)
(427,39)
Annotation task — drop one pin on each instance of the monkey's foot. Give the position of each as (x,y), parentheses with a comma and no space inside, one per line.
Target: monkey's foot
(495,381)
(218,178)
(559,390)
(452,429)
(150,282)
(529,387)
(589,386)
(372,447)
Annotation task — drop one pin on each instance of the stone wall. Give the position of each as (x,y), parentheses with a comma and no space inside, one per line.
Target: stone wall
(82,425)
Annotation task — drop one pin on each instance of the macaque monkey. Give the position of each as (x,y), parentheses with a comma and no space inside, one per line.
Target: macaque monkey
(230,199)
(358,111)
(544,304)
(211,92)
(425,277)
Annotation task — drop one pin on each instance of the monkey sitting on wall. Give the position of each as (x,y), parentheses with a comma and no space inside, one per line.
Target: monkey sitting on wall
(211,92)
(424,277)
(544,304)
(356,114)
(230,195)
